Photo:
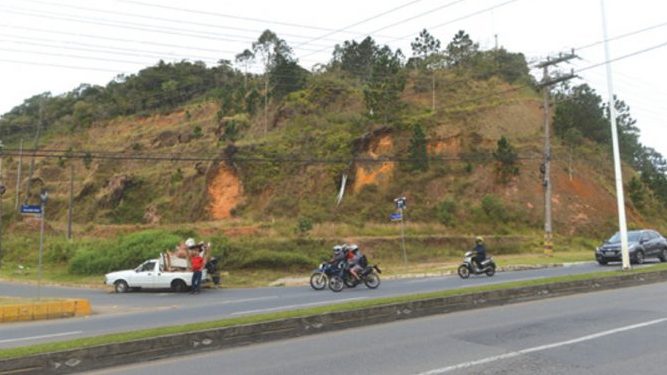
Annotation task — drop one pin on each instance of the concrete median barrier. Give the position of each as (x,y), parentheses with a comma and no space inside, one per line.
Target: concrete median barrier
(47,309)
(117,354)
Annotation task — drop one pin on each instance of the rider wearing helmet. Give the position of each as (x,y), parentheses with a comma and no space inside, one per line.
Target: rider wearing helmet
(338,255)
(480,250)
(353,260)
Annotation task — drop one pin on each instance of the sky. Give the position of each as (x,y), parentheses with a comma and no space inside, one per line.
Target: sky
(56,45)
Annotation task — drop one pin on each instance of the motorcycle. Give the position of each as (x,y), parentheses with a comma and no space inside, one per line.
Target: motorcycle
(369,276)
(320,277)
(468,266)
(213,271)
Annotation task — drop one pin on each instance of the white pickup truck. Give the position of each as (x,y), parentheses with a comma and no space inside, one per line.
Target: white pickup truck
(151,274)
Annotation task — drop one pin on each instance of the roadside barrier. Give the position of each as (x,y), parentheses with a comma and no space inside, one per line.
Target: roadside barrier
(47,309)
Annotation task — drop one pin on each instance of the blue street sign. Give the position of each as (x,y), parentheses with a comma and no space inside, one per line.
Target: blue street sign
(31,209)
(396,216)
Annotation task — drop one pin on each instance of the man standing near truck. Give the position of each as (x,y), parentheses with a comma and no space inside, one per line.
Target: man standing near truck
(197,262)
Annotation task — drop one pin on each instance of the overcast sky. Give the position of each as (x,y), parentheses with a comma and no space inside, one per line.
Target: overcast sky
(55,45)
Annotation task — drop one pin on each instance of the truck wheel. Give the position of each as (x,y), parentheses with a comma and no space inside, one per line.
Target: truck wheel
(178,286)
(121,286)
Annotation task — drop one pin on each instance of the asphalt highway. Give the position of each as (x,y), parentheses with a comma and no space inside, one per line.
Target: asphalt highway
(139,310)
(612,332)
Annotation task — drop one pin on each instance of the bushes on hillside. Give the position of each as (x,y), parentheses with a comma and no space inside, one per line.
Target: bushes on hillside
(125,252)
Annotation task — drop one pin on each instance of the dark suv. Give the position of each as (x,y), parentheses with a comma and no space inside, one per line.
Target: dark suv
(642,244)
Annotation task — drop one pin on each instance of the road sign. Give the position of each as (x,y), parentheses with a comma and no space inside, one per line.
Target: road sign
(396,216)
(31,209)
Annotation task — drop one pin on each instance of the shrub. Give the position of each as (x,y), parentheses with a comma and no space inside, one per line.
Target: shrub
(304,225)
(445,212)
(125,252)
(493,208)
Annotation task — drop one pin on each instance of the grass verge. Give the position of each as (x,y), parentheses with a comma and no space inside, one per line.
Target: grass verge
(251,319)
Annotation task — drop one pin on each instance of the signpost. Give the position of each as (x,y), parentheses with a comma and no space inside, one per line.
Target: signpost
(401,204)
(44,197)
(2,192)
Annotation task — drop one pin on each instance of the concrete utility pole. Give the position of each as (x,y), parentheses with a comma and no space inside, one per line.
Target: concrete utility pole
(620,200)
(32,161)
(18,176)
(71,201)
(546,83)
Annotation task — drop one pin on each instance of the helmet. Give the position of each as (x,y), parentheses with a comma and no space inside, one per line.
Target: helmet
(190,242)
(354,247)
(337,249)
(479,239)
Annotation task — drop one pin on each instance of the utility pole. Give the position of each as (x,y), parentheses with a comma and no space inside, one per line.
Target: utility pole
(546,83)
(18,176)
(32,161)
(71,201)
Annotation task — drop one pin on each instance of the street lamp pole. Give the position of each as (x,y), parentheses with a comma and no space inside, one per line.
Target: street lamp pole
(625,255)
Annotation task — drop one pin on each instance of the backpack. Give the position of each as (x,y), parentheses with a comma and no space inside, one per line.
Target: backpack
(363,261)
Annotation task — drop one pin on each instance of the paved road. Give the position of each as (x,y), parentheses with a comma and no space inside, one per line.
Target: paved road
(132,311)
(611,332)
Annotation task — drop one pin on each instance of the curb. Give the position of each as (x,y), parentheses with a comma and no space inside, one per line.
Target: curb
(76,360)
(44,310)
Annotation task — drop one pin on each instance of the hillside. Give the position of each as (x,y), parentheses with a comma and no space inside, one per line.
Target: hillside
(141,153)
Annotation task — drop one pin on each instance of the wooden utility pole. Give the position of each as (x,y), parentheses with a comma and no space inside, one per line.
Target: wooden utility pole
(546,83)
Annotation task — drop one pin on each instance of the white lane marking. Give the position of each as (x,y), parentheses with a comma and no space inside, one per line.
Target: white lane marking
(483,283)
(541,348)
(233,301)
(425,280)
(41,337)
(294,306)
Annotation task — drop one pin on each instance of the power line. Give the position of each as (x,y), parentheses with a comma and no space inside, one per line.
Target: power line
(179,21)
(136,41)
(624,35)
(470,15)
(132,26)
(68,154)
(208,13)
(639,52)
(63,66)
(357,24)
(418,16)
(106,50)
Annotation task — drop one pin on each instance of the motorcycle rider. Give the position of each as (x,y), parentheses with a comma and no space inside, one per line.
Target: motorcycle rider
(338,255)
(480,251)
(353,260)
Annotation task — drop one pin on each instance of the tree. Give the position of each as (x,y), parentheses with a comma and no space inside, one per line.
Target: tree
(628,133)
(385,85)
(506,158)
(461,50)
(356,59)
(637,192)
(268,45)
(426,48)
(425,45)
(581,108)
(245,58)
(417,152)
(286,76)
